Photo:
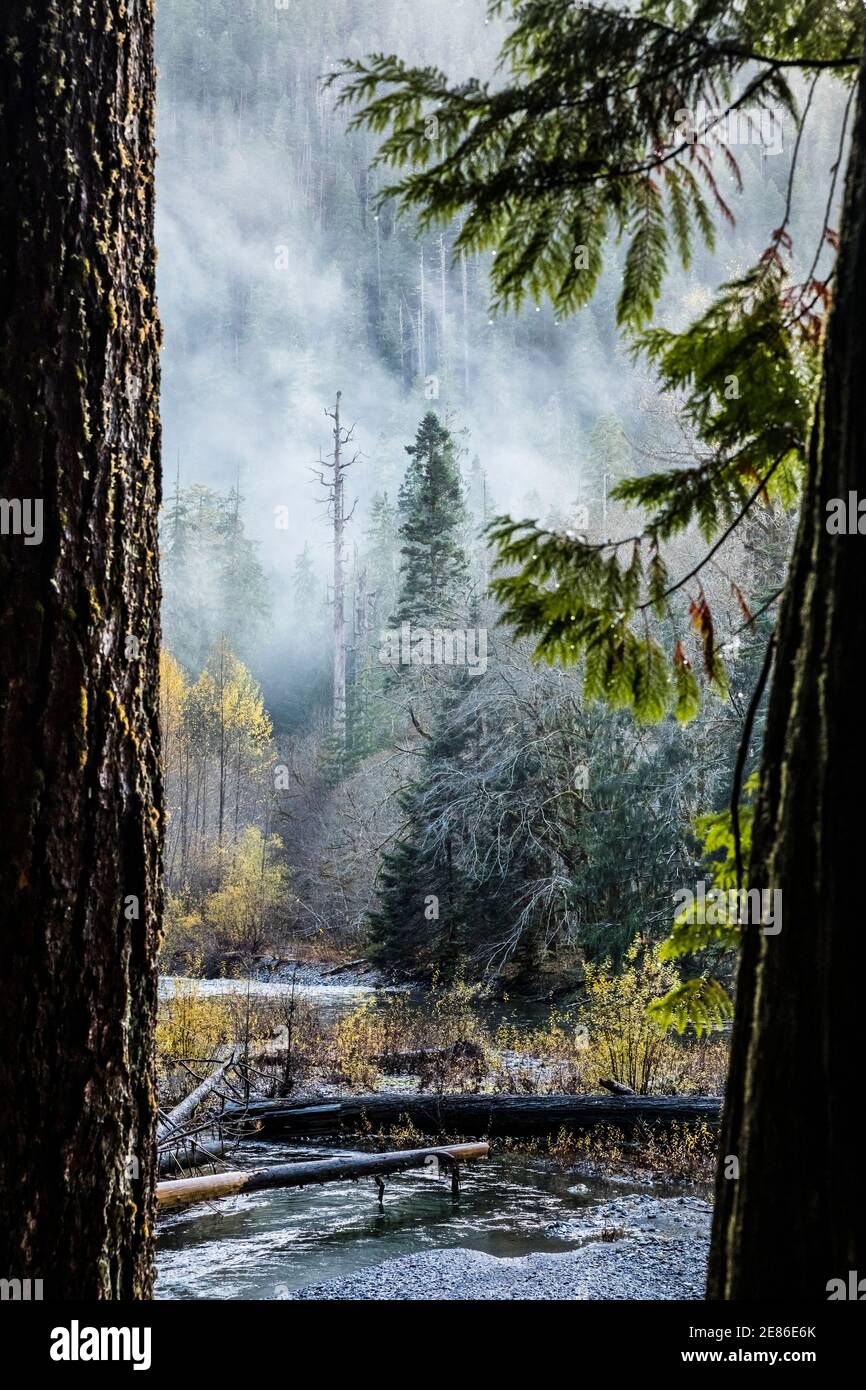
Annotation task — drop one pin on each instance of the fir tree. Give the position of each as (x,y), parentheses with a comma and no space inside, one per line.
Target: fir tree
(242,588)
(382,558)
(607,461)
(370,716)
(305,588)
(433,574)
(213,581)
(429,909)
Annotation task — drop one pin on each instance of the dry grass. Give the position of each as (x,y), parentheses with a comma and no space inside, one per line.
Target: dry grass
(564,1055)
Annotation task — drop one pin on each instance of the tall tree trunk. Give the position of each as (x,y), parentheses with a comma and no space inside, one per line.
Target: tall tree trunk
(422,328)
(222,748)
(79,642)
(378,269)
(443,362)
(795,1218)
(465,293)
(184,810)
(339,585)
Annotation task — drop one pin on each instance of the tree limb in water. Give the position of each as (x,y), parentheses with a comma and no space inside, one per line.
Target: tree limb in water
(184,1191)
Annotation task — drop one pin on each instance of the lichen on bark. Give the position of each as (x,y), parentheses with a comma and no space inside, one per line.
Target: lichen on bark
(79,740)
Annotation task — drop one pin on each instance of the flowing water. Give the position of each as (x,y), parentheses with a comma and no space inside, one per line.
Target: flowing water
(262,1245)
(331,999)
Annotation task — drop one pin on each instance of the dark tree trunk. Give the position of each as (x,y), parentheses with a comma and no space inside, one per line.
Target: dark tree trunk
(79,639)
(795,1217)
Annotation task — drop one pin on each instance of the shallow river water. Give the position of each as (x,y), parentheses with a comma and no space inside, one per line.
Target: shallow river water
(261,1245)
(332,1000)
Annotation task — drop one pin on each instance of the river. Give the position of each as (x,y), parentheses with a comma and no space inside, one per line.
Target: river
(331,999)
(262,1245)
(268,1244)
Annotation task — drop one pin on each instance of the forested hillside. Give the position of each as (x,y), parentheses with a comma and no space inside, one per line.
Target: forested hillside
(485,817)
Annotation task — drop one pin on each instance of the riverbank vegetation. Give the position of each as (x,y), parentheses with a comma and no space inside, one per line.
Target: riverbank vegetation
(448,1039)
(447,1042)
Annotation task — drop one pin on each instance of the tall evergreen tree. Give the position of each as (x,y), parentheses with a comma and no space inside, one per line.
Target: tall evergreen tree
(382,557)
(607,460)
(370,715)
(428,907)
(433,573)
(242,588)
(422,893)
(304,588)
(213,580)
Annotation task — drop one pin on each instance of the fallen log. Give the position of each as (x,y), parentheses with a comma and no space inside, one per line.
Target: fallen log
(616,1088)
(474,1115)
(425,1058)
(360,961)
(177,1118)
(188,1154)
(183,1191)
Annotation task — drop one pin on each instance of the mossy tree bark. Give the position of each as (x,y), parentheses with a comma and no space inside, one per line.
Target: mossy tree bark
(795,1217)
(79,639)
